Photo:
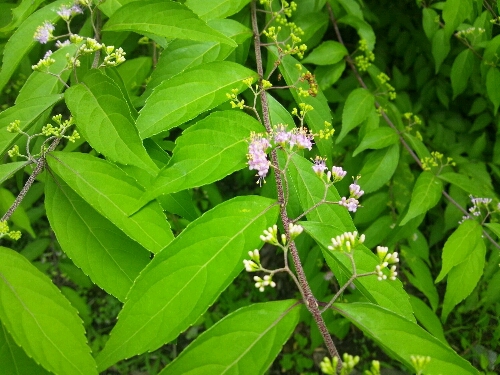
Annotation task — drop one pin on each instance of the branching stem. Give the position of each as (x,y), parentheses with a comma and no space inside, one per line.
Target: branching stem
(309,299)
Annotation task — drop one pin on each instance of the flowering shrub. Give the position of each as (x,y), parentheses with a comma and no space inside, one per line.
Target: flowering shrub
(149,144)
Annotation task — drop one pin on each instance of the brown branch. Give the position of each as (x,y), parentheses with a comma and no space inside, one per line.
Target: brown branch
(40,164)
(309,299)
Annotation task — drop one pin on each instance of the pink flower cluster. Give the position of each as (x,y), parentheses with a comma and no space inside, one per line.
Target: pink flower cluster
(299,137)
(66,12)
(257,149)
(257,156)
(43,33)
(352,202)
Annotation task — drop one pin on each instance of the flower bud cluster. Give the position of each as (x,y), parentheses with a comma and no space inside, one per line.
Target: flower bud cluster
(419,363)
(313,85)
(235,102)
(271,234)
(5,231)
(436,160)
(113,57)
(329,367)
(44,34)
(384,81)
(327,132)
(14,151)
(346,241)
(386,259)
(253,264)
(44,63)
(363,62)
(355,193)
(261,283)
(374,369)
(481,207)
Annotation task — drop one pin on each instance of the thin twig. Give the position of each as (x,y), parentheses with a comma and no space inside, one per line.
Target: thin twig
(309,299)
(40,164)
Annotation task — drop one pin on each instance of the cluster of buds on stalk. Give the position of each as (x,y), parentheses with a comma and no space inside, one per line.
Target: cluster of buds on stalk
(330,367)
(6,232)
(270,236)
(45,33)
(386,259)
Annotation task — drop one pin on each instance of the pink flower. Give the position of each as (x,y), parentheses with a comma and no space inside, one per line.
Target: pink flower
(43,33)
(319,166)
(351,204)
(355,190)
(257,156)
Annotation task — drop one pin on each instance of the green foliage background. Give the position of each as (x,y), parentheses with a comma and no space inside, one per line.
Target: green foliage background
(133,237)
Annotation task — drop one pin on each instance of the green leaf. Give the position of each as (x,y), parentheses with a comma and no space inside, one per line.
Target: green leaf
(492,84)
(180,203)
(27,113)
(327,75)
(277,113)
(388,294)
(103,252)
(311,190)
(248,341)
(185,96)
(461,71)
(364,29)
(440,47)
(464,182)
(359,104)
(417,145)
(21,42)
(113,194)
(454,13)
(134,72)
(40,319)
(378,168)
(376,139)
(420,276)
(427,318)
(373,206)
(402,339)
(351,7)
(316,118)
(495,228)
(7,170)
(14,360)
(179,56)
(327,53)
(109,7)
(163,18)
(463,278)
(429,22)
(210,9)
(206,152)
(182,281)
(426,193)
(20,13)
(378,230)
(103,116)
(459,246)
